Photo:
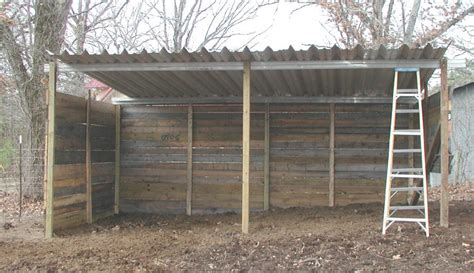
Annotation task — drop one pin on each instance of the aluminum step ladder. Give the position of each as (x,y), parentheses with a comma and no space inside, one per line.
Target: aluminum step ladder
(391,212)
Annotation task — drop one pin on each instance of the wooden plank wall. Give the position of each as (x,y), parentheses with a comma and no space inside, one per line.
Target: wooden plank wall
(153,159)
(69,205)
(69,200)
(102,124)
(362,135)
(154,152)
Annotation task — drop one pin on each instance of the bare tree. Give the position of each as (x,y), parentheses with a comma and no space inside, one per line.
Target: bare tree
(196,24)
(28,30)
(389,22)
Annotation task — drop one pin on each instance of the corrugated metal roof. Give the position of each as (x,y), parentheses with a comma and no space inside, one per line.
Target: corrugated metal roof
(266,83)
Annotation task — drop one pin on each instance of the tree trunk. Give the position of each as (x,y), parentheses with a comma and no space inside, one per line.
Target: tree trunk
(50,23)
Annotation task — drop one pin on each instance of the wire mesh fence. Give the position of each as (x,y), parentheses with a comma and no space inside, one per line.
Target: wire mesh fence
(21,183)
(21,172)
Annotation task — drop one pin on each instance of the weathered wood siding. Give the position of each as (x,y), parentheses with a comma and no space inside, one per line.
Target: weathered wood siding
(70,197)
(102,158)
(154,150)
(69,204)
(153,159)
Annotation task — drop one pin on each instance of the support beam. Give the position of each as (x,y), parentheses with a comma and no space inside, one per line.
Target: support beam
(237,66)
(238,100)
(246,148)
(117,161)
(189,188)
(266,166)
(444,102)
(88,161)
(48,227)
(332,117)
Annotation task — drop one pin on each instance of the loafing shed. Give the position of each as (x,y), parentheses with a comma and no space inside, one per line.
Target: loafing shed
(205,132)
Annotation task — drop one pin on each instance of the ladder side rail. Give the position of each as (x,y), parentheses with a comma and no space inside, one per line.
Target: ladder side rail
(388,183)
(423,159)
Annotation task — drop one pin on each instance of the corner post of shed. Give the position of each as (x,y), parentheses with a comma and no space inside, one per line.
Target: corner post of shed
(189,188)
(117,161)
(266,163)
(332,117)
(88,161)
(444,111)
(51,98)
(245,147)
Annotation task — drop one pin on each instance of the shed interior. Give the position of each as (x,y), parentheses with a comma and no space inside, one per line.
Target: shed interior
(317,123)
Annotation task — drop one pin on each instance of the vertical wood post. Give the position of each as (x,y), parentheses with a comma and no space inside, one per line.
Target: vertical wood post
(88,161)
(189,188)
(50,149)
(266,167)
(444,101)
(332,117)
(246,148)
(117,161)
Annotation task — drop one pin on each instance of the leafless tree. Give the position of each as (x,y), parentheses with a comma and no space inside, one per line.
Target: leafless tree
(178,24)
(393,22)
(28,30)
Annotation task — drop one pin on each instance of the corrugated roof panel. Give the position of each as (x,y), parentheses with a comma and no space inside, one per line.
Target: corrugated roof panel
(334,82)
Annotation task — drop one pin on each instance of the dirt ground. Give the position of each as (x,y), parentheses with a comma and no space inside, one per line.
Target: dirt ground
(341,238)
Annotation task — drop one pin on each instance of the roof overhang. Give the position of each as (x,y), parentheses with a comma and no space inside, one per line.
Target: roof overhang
(317,75)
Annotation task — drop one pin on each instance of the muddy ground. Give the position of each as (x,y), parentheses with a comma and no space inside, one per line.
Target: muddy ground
(342,238)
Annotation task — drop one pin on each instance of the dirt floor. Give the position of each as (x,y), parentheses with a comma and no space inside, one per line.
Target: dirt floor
(342,238)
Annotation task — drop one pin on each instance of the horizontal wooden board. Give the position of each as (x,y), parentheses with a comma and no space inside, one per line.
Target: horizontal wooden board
(154,155)
(153,191)
(161,207)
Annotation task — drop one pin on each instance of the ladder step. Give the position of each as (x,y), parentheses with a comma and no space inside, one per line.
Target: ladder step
(406,151)
(406,207)
(406,111)
(413,95)
(414,91)
(398,219)
(407,170)
(407,69)
(407,175)
(408,189)
(407,132)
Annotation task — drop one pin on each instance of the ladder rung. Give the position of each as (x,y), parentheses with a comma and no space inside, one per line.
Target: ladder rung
(413,95)
(407,175)
(406,111)
(405,151)
(406,207)
(414,91)
(408,189)
(407,69)
(407,132)
(408,170)
(395,219)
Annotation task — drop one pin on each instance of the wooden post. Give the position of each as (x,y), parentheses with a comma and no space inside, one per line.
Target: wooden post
(444,101)
(246,148)
(88,161)
(117,161)
(50,149)
(332,117)
(189,189)
(266,167)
